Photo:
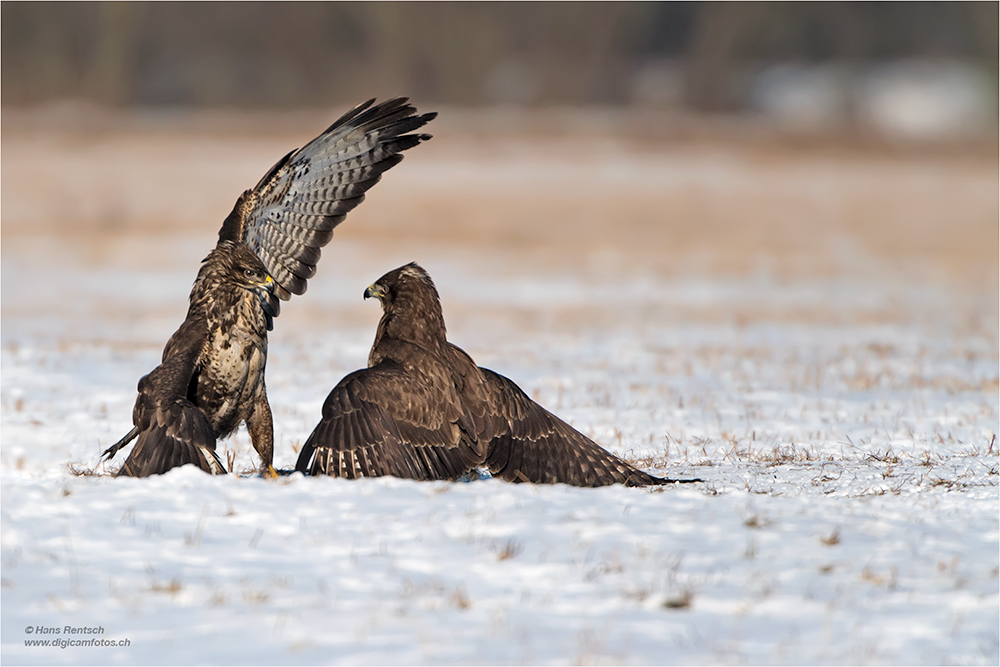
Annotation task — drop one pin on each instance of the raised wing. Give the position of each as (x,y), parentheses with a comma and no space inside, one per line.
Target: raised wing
(530,444)
(169,430)
(381,421)
(291,213)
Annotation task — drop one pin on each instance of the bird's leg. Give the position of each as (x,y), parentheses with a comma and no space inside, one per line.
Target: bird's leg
(261,428)
(110,452)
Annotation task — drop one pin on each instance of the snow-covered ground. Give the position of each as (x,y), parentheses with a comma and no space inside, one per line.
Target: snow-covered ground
(844,423)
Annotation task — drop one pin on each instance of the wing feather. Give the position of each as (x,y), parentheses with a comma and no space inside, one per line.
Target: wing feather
(530,444)
(291,213)
(382,423)
(169,430)
(178,434)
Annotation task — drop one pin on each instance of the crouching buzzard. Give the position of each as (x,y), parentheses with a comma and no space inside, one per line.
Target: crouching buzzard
(211,378)
(424,410)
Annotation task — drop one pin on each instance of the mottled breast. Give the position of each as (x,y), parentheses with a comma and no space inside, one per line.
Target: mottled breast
(231,380)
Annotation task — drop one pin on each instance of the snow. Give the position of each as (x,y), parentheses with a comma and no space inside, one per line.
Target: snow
(844,425)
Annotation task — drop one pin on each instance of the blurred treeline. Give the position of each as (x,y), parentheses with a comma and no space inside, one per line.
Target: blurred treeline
(289,54)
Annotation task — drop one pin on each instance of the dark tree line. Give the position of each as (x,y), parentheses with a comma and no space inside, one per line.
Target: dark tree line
(276,55)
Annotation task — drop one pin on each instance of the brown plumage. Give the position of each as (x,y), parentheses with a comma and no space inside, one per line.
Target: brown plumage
(211,378)
(424,410)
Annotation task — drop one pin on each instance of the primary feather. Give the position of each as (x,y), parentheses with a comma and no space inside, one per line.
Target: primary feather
(291,213)
(211,378)
(424,410)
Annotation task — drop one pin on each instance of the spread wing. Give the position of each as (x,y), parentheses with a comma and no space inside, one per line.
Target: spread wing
(530,444)
(291,213)
(385,421)
(169,430)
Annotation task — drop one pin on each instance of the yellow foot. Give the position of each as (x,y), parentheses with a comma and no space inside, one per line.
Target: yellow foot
(269,473)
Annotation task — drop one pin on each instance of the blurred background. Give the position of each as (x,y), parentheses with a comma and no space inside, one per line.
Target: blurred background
(921,71)
(607,143)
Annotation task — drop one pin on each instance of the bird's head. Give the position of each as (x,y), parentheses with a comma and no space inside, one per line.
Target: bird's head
(226,274)
(400,285)
(254,277)
(410,302)
(247,271)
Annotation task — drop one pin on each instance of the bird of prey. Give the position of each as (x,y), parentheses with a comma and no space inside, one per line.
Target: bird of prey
(424,410)
(211,378)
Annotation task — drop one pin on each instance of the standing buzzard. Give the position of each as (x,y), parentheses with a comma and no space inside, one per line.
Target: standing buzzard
(424,410)
(211,377)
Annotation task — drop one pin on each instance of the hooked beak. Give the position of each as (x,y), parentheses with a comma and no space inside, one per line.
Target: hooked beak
(374,290)
(268,302)
(266,289)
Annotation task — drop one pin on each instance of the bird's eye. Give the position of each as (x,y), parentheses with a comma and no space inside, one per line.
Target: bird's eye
(248,273)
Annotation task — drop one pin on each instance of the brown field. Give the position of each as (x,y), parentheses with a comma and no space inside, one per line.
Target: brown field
(580,185)
(586,194)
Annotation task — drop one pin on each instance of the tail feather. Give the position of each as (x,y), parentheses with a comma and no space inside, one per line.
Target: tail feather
(177,434)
